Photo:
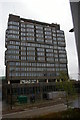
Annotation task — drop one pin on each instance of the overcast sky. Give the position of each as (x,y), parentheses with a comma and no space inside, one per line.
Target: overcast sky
(50,11)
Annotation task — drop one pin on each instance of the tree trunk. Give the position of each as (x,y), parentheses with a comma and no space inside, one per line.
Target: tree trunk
(67,100)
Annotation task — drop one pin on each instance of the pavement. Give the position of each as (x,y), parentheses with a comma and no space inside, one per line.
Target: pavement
(0,100)
(0,109)
(35,112)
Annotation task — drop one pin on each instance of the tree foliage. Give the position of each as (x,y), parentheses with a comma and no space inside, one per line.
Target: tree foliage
(65,84)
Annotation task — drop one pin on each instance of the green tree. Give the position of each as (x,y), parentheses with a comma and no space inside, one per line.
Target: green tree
(65,84)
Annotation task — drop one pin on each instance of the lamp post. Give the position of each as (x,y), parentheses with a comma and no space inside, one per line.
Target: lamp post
(11,88)
(72,30)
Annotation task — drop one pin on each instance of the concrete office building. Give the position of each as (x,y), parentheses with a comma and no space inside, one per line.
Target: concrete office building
(35,51)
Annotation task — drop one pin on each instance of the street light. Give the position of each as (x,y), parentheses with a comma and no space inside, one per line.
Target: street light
(71,30)
(11,87)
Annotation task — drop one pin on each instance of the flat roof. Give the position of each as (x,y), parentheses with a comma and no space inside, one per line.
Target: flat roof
(35,21)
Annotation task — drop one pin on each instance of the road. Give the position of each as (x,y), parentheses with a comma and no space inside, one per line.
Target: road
(35,112)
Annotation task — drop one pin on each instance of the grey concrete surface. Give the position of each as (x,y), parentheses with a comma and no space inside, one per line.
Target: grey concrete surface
(35,112)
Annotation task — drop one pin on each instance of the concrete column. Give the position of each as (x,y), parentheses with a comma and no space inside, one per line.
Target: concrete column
(37,81)
(20,81)
(47,81)
(60,80)
(8,81)
(56,80)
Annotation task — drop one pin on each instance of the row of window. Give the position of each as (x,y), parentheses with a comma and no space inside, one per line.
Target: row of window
(13,31)
(30,58)
(49,50)
(30,38)
(32,26)
(63,52)
(29,30)
(48,41)
(49,54)
(49,33)
(13,57)
(47,29)
(12,51)
(36,69)
(27,34)
(13,36)
(36,64)
(37,31)
(44,46)
(14,63)
(30,53)
(34,74)
(23,53)
(62,35)
(27,25)
(26,74)
(13,23)
(50,59)
(42,40)
(42,53)
(61,43)
(36,26)
(14,42)
(13,47)
(32,69)
(38,35)
(23,57)
(39,51)
(62,55)
(31,48)
(63,60)
(13,27)
(41,58)
(60,31)
(60,38)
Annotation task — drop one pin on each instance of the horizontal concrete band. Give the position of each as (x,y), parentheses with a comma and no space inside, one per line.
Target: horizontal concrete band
(74,0)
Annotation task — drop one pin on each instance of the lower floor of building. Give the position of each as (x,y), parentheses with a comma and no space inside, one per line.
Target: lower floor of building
(32,92)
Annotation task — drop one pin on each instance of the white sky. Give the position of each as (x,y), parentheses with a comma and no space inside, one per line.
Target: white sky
(50,11)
